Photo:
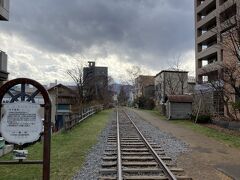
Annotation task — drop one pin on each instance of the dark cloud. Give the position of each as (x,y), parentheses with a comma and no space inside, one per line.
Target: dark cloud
(145,31)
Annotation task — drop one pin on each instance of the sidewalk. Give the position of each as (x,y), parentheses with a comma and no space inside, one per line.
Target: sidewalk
(209,159)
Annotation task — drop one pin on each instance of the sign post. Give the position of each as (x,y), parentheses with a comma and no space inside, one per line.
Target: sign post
(21,122)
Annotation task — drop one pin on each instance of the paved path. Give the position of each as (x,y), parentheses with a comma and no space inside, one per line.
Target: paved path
(208,158)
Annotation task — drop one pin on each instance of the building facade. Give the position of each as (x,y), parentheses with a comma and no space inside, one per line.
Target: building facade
(95,81)
(217,51)
(3,67)
(140,83)
(64,102)
(170,82)
(4,10)
(210,21)
(4,16)
(149,92)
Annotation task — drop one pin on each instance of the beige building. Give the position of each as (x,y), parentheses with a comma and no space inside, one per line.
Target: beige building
(170,82)
(210,16)
(140,83)
(4,16)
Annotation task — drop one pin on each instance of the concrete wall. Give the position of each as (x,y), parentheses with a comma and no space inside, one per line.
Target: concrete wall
(227,124)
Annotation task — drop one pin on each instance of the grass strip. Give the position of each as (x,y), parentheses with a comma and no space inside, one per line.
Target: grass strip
(230,140)
(68,151)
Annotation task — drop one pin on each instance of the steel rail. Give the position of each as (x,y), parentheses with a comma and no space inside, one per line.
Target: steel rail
(119,174)
(166,170)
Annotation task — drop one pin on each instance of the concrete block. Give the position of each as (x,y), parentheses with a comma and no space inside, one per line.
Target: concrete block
(7,149)
(224,124)
(234,126)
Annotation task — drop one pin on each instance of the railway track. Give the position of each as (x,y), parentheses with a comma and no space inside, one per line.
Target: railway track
(131,155)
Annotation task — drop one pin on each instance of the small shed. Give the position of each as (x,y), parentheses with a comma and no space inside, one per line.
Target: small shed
(179,106)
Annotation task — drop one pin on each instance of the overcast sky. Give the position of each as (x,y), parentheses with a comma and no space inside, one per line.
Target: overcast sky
(43,37)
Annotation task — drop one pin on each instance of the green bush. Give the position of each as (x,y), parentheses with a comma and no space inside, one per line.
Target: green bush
(144,103)
(203,118)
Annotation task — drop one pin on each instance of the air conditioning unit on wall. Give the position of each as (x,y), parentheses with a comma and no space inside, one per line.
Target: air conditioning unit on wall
(3,61)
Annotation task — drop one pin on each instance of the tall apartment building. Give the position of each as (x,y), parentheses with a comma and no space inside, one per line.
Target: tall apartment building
(209,17)
(4,16)
(95,81)
(4,10)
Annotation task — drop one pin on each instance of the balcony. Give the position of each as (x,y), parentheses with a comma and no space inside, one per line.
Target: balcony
(4,10)
(225,6)
(209,68)
(3,75)
(228,24)
(207,18)
(204,5)
(208,51)
(206,35)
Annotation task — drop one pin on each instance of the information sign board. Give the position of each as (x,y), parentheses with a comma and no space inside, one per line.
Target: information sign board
(20,154)
(21,122)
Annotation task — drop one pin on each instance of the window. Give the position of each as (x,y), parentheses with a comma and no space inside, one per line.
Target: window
(205,79)
(228,13)
(199,2)
(63,107)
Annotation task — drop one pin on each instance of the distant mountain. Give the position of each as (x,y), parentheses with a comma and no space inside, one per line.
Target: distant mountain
(116,88)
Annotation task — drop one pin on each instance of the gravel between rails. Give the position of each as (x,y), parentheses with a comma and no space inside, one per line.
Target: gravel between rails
(90,169)
(172,146)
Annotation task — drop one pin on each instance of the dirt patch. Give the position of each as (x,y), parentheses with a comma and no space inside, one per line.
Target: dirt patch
(206,153)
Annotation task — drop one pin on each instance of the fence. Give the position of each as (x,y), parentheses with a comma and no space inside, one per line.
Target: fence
(208,102)
(73,119)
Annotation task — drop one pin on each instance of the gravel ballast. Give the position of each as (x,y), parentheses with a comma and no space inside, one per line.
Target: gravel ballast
(172,146)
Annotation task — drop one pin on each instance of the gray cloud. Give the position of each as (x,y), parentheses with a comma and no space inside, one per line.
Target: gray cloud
(145,31)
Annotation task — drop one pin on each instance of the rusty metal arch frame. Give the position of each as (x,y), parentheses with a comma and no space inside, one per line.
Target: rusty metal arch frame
(5,89)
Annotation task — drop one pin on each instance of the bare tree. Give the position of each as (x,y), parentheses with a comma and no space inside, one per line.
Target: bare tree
(174,81)
(122,97)
(228,30)
(228,41)
(133,72)
(105,93)
(76,74)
